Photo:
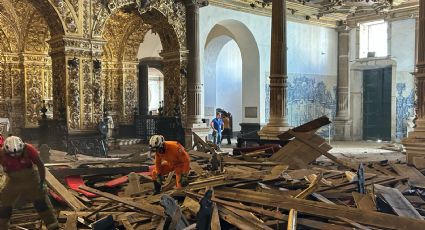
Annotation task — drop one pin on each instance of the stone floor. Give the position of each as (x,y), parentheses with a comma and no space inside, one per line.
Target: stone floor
(359,150)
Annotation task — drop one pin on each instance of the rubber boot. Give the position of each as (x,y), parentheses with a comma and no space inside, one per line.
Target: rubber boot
(5,214)
(157,187)
(49,220)
(45,210)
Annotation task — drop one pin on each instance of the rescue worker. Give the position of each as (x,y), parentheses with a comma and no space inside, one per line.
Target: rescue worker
(17,161)
(169,156)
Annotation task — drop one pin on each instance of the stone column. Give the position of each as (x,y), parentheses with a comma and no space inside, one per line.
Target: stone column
(143,89)
(278,122)
(415,143)
(195,86)
(342,120)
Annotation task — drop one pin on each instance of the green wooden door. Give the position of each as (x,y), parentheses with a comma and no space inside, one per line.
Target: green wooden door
(377,104)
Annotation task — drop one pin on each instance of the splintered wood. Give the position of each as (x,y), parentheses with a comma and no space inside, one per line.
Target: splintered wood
(254,188)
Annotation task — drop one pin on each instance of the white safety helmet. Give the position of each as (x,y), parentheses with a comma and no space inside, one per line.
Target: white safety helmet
(13,146)
(156,142)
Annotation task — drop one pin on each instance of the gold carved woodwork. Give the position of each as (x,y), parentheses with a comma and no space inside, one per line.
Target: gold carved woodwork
(39,37)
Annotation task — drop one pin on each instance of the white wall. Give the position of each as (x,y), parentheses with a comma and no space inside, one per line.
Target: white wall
(401,50)
(312,56)
(234,24)
(150,47)
(156,88)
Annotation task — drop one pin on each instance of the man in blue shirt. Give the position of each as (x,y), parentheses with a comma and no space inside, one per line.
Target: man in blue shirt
(217,126)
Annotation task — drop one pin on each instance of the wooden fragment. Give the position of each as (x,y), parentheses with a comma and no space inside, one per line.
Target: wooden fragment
(249,217)
(292,220)
(141,205)
(196,167)
(320,149)
(398,202)
(364,201)
(309,127)
(312,224)
(236,220)
(297,155)
(354,224)
(377,219)
(127,224)
(71,222)
(215,219)
(58,188)
(416,178)
(63,172)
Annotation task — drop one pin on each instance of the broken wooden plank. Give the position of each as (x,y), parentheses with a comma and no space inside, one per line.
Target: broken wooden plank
(98,171)
(312,224)
(309,127)
(416,178)
(58,188)
(354,224)
(127,224)
(71,222)
(320,149)
(364,201)
(297,155)
(400,205)
(377,219)
(141,205)
(215,219)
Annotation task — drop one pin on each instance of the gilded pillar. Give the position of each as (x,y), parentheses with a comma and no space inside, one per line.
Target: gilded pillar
(12,91)
(342,120)
(129,91)
(415,143)
(278,122)
(77,83)
(173,95)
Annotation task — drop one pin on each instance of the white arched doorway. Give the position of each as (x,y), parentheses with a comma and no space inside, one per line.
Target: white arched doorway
(231,70)
(148,54)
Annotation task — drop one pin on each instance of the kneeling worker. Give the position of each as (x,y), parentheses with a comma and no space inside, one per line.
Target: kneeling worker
(169,156)
(17,160)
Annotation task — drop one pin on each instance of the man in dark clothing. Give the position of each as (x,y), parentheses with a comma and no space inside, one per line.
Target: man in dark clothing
(217,126)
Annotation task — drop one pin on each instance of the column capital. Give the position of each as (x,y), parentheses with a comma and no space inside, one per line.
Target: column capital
(197,3)
(343,28)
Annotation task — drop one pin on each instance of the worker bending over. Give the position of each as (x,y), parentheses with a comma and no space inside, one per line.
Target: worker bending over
(17,161)
(169,156)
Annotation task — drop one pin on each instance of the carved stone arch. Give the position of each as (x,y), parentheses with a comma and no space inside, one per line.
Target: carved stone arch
(60,16)
(36,34)
(9,36)
(133,40)
(171,12)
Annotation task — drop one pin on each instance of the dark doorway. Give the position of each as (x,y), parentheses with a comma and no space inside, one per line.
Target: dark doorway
(377,104)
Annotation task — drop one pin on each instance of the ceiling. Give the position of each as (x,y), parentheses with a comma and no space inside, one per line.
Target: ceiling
(328,12)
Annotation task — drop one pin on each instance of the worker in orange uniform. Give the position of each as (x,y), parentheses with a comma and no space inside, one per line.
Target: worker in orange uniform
(17,161)
(169,156)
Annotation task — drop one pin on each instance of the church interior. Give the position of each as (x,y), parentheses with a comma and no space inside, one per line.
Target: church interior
(320,101)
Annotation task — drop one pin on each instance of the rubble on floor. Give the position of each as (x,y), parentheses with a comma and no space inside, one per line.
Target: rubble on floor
(264,187)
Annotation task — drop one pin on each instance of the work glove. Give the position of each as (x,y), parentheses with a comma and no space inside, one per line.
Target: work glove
(184,181)
(157,184)
(159,179)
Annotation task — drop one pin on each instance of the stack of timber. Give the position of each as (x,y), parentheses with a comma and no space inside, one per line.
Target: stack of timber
(282,189)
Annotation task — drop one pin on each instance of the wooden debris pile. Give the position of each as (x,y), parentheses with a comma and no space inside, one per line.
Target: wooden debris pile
(256,189)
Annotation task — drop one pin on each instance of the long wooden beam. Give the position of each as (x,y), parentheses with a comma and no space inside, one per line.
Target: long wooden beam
(141,205)
(377,219)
